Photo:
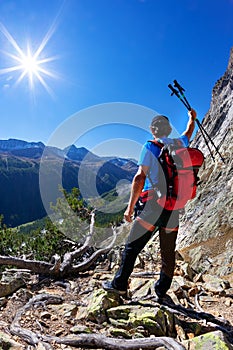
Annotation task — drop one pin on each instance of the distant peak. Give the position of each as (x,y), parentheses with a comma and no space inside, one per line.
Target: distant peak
(11,144)
(230,63)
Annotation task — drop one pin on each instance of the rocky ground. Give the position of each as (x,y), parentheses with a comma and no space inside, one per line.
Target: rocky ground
(42,313)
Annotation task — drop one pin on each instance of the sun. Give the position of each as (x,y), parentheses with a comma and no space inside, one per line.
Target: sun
(29,64)
(30,67)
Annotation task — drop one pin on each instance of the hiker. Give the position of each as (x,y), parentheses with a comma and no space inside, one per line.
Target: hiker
(153,217)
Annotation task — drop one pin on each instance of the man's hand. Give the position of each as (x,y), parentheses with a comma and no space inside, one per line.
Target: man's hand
(191,124)
(192,114)
(128,215)
(136,189)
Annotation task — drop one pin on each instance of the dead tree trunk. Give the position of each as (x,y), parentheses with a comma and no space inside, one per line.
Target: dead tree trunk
(93,341)
(62,267)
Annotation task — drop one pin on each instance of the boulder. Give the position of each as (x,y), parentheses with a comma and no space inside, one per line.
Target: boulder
(152,319)
(213,340)
(11,282)
(215,284)
(99,302)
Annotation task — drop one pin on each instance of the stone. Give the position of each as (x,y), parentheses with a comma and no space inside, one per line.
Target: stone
(6,342)
(10,283)
(212,340)
(180,281)
(59,332)
(119,332)
(121,312)
(65,310)
(193,328)
(45,315)
(186,271)
(80,329)
(215,284)
(40,346)
(142,288)
(154,320)
(179,285)
(229,292)
(228,302)
(3,301)
(99,302)
(119,323)
(82,313)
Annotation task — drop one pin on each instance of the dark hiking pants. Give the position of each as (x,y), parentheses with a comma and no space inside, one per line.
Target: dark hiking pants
(151,219)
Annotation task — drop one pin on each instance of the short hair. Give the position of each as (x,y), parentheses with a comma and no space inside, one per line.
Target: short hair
(161,125)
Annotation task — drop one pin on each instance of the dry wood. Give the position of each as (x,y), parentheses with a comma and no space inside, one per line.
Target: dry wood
(96,341)
(56,268)
(85,341)
(145,274)
(87,263)
(25,334)
(216,322)
(196,301)
(41,267)
(69,257)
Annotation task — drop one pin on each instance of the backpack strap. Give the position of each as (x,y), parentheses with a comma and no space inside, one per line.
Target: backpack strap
(157,143)
(176,142)
(155,188)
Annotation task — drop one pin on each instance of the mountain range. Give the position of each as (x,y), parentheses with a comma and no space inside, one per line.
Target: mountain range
(20,176)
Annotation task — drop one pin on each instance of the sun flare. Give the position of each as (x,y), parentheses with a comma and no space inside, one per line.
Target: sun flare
(29,64)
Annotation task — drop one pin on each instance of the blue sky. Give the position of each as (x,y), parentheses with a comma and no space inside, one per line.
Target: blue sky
(108,51)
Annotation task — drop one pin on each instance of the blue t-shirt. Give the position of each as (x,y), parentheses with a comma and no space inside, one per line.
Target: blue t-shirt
(149,157)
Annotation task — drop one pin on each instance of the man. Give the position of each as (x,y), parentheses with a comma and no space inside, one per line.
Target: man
(153,217)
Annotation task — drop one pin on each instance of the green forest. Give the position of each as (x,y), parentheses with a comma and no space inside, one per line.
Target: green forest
(42,239)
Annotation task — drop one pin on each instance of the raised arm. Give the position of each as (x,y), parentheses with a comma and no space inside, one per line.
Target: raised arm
(191,124)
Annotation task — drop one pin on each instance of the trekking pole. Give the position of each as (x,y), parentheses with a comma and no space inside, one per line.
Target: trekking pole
(176,92)
(204,136)
(187,105)
(180,91)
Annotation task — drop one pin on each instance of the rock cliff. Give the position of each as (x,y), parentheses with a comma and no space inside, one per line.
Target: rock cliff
(206,232)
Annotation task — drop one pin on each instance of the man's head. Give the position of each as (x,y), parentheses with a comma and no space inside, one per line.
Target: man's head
(160,126)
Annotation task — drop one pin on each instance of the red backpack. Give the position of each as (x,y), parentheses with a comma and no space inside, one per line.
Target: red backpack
(178,171)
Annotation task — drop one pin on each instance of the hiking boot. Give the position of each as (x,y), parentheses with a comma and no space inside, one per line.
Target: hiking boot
(165,300)
(162,285)
(108,286)
(158,292)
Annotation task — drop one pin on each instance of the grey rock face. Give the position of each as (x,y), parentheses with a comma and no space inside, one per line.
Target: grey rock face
(206,231)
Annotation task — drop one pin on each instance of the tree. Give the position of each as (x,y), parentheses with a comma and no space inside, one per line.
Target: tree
(50,252)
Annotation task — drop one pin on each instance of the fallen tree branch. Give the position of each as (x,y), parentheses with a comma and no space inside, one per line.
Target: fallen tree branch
(196,301)
(145,274)
(87,263)
(40,267)
(216,322)
(69,257)
(85,341)
(96,341)
(25,334)
(56,268)
(56,261)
